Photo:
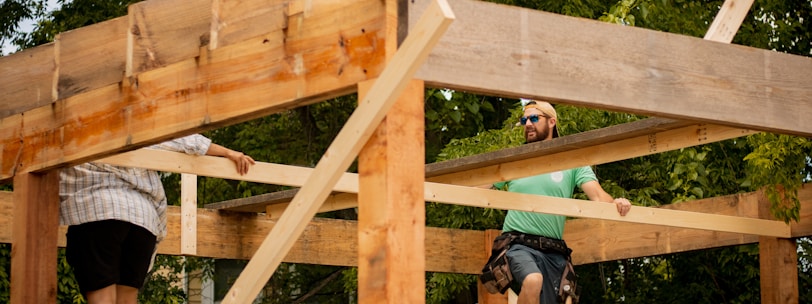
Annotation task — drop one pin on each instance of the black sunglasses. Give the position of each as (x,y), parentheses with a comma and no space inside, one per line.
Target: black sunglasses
(533,118)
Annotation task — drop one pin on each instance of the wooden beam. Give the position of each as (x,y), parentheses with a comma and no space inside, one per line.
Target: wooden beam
(778,264)
(232,235)
(91,57)
(391,209)
(654,143)
(520,52)
(250,79)
(188,219)
(27,79)
(454,194)
(163,32)
(728,20)
(341,152)
(34,241)
(235,21)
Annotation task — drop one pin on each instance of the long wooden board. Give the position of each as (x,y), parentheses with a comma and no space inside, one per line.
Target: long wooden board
(452,194)
(519,52)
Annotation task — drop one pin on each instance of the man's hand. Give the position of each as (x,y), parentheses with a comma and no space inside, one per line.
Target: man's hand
(623,205)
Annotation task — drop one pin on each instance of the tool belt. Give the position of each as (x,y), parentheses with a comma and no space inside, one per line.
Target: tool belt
(541,243)
(496,275)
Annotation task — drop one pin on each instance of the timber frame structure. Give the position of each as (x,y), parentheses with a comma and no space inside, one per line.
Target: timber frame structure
(175,67)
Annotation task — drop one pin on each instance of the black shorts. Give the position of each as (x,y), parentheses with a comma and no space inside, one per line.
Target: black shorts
(109,252)
(525,260)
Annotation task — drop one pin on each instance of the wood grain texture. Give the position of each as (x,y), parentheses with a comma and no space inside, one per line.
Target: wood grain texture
(91,57)
(27,79)
(391,209)
(34,241)
(778,264)
(519,52)
(230,84)
(728,20)
(188,217)
(162,32)
(234,21)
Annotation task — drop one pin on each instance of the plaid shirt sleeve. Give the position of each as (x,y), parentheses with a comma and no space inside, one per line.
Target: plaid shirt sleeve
(95,192)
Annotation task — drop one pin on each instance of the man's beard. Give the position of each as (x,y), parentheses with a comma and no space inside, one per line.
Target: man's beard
(540,134)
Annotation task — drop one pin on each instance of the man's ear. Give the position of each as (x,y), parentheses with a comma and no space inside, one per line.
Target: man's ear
(553,122)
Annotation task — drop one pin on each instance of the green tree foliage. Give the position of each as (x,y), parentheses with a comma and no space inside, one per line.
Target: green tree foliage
(459,124)
(12,14)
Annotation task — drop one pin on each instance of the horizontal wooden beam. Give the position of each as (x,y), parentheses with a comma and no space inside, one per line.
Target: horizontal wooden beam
(234,83)
(519,52)
(599,153)
(27,79)
(639,138)
(236,235)
(453,194)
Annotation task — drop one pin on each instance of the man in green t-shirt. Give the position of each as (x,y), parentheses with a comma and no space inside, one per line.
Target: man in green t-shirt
(537,273)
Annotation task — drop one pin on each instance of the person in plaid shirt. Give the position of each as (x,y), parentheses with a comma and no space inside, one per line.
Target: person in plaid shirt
(117,215)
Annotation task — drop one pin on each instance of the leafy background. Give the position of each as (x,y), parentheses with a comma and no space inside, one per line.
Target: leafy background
(460,124)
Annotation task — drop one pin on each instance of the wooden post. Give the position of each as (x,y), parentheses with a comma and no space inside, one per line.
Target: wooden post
(778,264)
(188,218)
(34,237)
(482,293)
(391,220)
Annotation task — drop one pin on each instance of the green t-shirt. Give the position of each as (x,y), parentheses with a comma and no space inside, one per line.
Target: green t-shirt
(557,184)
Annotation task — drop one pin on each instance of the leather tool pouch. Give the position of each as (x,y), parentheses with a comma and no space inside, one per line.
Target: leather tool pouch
(569,286)
(496,276)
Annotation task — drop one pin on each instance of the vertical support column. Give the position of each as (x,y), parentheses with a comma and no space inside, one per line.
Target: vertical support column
(34,237)
(778,264)
(391,166)
(188,209)
(482,293)
(391,220)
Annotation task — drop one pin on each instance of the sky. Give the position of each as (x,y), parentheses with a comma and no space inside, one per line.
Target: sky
(27,26)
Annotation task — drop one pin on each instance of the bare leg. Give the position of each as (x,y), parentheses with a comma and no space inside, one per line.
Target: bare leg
(126,295)
(105,295)
(531,289)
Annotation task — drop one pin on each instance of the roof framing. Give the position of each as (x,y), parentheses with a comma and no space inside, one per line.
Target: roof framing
(174,85)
